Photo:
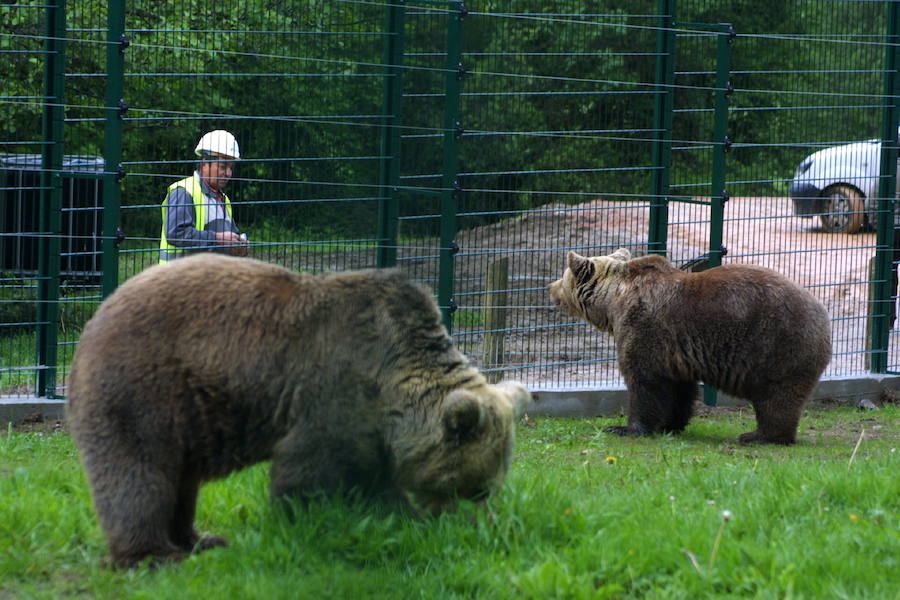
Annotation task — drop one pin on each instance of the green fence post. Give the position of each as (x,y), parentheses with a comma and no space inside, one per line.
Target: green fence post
(450,186)
(657,236)
(116,43)
(389,173)
(49,246)
(721,145)
(887,191)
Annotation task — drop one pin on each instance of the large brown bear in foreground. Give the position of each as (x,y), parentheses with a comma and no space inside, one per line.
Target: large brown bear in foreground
(743,329)
(192,370)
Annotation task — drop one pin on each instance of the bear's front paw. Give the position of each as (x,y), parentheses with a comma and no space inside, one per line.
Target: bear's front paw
(207,542)
(757,437)
(624,430)
(153,559)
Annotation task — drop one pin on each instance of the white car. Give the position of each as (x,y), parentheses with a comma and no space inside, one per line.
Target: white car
(840,185)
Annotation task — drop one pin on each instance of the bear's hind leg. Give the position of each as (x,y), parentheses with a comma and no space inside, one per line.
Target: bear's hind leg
(778,413)
(651,405)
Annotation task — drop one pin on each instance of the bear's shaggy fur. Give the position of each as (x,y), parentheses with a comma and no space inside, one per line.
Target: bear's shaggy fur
(195,369)
(743,329)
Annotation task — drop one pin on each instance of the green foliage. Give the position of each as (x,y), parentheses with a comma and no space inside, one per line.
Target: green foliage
(23,75)
(557,100)
(466,318)
(584,514)
(575,116)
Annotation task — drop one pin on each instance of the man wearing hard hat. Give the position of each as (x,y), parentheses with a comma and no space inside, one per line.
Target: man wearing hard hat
(196,214)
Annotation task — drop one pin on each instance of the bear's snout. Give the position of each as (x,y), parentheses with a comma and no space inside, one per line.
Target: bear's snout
(553,289)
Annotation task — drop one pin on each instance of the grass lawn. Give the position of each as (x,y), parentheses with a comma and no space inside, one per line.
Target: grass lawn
(584,514)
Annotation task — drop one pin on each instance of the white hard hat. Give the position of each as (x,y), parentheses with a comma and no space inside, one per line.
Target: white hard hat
(218,142)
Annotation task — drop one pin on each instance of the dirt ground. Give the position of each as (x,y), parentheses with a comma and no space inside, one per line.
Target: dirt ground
(37,423)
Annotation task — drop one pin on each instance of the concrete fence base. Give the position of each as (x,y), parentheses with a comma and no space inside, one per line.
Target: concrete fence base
(14,409)
(549,401)
(576,402)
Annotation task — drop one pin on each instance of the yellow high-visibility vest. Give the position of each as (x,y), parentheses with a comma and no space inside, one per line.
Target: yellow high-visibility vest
(193,186)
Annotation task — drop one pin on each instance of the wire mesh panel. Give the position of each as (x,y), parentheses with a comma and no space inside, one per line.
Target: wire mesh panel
(693,143)
(304,190)
(18,248)
(24,56)
(300,87)
(555,155)
(18,304)
(421,141)
(471,144)
(80,266)
(806,76)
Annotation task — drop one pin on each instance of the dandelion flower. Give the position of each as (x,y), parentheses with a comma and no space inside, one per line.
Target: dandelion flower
(611,460)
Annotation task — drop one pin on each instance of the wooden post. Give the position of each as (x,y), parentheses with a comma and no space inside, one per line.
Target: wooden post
(496,281)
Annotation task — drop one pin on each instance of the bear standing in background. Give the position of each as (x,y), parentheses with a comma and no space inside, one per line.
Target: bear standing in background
(195,369)
(743,329)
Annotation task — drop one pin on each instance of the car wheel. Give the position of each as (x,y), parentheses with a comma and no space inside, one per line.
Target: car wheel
(846,209)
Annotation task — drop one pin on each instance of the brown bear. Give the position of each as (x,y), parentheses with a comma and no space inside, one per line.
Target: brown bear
(195,369)
(743,329)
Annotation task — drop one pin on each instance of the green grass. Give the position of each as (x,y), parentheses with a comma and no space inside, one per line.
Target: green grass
(583,515)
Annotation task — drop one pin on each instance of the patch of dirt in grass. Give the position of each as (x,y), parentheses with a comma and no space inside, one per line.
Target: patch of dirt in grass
(832,422)
(852,429)
(702,410)
(889,396)
(37,423)
(824,425)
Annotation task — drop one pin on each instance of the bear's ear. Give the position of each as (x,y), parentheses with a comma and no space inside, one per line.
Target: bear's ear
(582,268)
(621,254)
(463,416)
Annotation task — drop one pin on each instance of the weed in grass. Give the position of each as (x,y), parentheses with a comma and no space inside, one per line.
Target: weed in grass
(862,433)
(726,517)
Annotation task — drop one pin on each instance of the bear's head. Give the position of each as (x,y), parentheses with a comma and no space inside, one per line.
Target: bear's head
(468,453)
(588,285)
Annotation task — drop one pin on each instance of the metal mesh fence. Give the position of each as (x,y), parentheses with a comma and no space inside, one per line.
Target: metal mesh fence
(569,99)
(470,145)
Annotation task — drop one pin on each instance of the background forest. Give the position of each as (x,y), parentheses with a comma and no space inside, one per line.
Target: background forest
(557,99)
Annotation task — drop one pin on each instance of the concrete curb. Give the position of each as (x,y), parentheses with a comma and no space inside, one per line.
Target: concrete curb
(580,402)
(13,409)
(549,401)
